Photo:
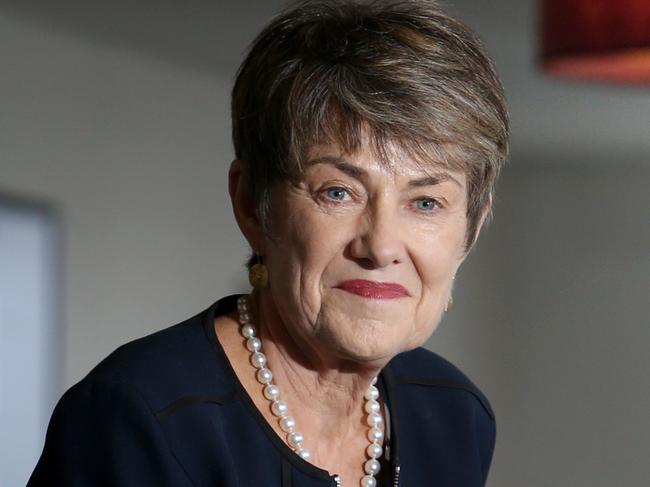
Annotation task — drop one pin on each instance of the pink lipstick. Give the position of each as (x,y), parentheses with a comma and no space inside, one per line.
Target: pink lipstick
(374,289)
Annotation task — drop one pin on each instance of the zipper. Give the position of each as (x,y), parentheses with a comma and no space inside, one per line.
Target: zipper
(388,386)
(396,477)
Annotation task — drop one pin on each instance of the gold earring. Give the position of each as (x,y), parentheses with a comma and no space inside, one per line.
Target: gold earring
(449,304)
(258,274)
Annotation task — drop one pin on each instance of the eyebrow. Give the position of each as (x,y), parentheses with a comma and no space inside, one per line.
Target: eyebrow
(361,174)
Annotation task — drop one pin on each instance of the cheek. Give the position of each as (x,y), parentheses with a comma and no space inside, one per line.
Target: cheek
(436,258)
(310,241)
(304,243)
(437,255)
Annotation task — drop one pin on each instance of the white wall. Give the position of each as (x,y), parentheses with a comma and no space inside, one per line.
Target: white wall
(127,133)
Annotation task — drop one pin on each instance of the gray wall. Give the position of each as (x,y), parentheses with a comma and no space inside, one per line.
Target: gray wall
(551,320)
(119,118)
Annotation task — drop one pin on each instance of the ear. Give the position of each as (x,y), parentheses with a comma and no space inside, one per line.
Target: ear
(243,205)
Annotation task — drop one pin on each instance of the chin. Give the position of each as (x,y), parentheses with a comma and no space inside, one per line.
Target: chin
(370,335)
(375,359)
(367,344)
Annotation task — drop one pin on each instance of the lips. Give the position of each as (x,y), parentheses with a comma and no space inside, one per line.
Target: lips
(374,289)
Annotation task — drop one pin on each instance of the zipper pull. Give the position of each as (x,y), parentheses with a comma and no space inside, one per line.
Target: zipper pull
(396,477)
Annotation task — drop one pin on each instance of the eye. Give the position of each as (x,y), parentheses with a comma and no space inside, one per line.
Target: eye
(337,193)
(427,204)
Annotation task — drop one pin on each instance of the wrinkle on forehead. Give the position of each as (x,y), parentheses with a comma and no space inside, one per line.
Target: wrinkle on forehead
(394,162)
(399,156)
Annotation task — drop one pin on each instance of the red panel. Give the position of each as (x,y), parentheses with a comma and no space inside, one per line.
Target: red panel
(597,39)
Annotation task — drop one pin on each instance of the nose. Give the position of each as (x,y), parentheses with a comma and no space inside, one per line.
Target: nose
(378,242)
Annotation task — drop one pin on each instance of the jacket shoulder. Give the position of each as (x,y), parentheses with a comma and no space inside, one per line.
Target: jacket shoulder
(175,362)
(426,368)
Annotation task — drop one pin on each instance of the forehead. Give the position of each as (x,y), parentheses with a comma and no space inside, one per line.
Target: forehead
(394,162)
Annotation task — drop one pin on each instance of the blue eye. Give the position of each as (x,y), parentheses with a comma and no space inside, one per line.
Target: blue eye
(427,204)
(336,193)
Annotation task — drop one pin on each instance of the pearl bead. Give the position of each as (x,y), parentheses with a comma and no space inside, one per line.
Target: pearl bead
(244,318)
(248,330)
(254,344)
(258,359)
(374,450)
(372,393)
(374,381)
(372,467)
(287,424)
(304,454)
(271,392)
(264,375)
(374,419)
(295,439)
(375,435)
(368,481)
(372,406)
(279,408)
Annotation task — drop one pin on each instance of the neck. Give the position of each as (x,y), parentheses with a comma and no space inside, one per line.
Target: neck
(325,397)
(329,389)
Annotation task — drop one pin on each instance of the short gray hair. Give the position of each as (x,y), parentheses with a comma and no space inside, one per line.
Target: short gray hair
(404,72)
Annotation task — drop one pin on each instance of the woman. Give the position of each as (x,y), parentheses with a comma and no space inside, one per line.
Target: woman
(368,140)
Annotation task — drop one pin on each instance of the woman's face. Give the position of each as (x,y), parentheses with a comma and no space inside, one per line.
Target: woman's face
(362,254)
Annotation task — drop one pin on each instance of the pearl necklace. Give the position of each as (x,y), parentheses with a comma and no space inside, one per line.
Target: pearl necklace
(280,409)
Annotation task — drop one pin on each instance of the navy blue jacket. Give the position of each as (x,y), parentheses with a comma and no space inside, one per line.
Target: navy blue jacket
(168,410)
